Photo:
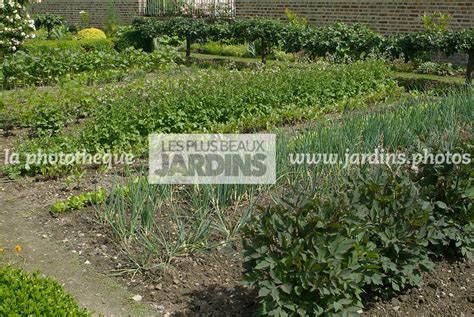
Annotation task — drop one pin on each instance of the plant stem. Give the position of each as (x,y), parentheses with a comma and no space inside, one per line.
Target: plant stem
(264,52)
(188,50)
(470,68)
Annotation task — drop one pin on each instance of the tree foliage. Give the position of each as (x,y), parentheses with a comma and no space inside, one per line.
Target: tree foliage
(341,41)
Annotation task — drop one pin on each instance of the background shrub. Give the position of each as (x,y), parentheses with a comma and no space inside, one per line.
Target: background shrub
(267,33)
(342,42)
(48,22)
(128,36)
(91,33)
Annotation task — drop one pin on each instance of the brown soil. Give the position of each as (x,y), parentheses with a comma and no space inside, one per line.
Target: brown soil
(199,284)
(448,291)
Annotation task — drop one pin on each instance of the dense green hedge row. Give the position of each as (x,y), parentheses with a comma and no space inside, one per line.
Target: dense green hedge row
(377,230)
(42,64)
(340,40)
(69,45)
(24,294)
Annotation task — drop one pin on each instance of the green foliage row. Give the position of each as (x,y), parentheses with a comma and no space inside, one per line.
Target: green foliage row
(374,234)
(24,294)
(341,40)
(47,110)
(79,202)
(220,101)
(83,45)
(44,65)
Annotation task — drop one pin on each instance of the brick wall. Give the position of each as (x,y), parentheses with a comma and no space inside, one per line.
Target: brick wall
(385,16)
(69,9)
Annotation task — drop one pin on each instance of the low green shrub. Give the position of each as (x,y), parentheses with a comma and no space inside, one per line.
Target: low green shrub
(371,234)
(91,33)
(24,294)
(128,36)
(32,46)
(440,69)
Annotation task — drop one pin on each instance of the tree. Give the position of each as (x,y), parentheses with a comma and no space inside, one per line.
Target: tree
(266,31)
(189,30)
(48,21)
(461,42)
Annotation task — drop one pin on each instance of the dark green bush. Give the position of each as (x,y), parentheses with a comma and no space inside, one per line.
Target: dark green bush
(128,36)
(306,260)
(320,256)
(417,45)
(49,22)
(451,187)
(342,41)
(373,233)
(397,219)
(24,294)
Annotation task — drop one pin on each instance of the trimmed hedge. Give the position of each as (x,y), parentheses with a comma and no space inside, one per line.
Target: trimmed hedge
(24,294)
(90,33)
(70,45)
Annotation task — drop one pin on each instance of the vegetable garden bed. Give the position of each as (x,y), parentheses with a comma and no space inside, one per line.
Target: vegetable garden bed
(324,239)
